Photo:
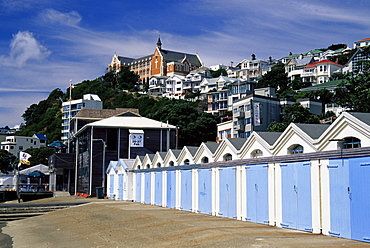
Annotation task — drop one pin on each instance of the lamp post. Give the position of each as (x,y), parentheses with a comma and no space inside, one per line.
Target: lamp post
(103,166)
(69,116)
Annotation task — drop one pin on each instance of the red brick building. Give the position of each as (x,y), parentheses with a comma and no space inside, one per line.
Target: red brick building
(160,63)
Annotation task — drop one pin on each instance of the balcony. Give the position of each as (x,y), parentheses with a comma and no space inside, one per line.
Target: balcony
(308,73)
(239,127)
(239,114)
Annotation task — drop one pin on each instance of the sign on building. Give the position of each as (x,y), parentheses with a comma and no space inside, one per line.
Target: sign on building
(136,138)
(256,113)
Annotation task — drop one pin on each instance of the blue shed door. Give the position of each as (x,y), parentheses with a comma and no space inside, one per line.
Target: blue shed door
(340,224)
(186,190)
(296,196)
(138,187)
(228,192)
(120,187)
(359,194)
(257,194)
(111,186)
(147,188)
(171,189)
(158,188)
(205,191)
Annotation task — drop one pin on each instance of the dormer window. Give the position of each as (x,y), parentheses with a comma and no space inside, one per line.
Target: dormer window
(351,142)
(295,149)
(256,153)
(186,162)
(228,157)
(205,160)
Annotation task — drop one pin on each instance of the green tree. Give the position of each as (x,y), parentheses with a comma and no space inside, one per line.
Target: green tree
(277,78)
(323,95)
(44,117)
(298,84)
(337,46)
(354,92)
(296,113)
(219,72)
(195,126)
(6,161)
(343,58)
(39,155)
(276,127)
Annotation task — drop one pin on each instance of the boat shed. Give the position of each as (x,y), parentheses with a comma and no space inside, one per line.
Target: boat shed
(313,178)
(125,136)
(119,181)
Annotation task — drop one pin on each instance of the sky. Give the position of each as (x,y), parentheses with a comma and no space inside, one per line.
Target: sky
(46,43)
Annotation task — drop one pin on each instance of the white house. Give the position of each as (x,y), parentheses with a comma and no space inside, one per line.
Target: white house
(15,144)
(319,72)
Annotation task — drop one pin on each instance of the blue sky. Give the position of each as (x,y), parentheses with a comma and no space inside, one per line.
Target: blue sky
(46,43)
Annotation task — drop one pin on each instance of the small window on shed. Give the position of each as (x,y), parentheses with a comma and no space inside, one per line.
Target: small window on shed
(148,166)
(138,167)
(158,165)
(171,163)
(205,160)
(186,162)
(228,157)
(294,149)
(351,142)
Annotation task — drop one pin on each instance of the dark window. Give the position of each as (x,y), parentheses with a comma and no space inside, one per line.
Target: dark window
(294,149)
(112,139)
(228,157)
(351,142)
(205,160)
(171,163)
(186,162)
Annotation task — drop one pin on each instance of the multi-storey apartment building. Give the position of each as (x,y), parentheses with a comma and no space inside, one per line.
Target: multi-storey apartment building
(72,107)
(255,112)
(355,63)
(161,63)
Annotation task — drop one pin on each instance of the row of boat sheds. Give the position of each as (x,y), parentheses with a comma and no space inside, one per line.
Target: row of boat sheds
(314,178)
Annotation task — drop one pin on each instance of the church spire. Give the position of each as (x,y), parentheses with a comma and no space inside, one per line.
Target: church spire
(159,43)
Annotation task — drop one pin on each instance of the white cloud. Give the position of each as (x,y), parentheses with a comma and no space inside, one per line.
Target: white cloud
(24,47)
(51,16)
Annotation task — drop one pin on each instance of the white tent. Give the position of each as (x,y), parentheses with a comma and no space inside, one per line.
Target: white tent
(40,167)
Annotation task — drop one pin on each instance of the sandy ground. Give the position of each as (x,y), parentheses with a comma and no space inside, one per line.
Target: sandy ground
(105,223)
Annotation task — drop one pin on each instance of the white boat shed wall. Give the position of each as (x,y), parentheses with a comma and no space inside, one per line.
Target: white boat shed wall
(318,191)
(119,181)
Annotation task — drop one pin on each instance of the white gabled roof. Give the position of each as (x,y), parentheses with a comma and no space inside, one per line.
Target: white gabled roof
(132,122)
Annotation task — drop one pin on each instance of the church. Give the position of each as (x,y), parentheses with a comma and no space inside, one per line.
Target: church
(161,63)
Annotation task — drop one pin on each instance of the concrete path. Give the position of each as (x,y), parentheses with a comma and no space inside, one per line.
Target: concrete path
(104,223)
